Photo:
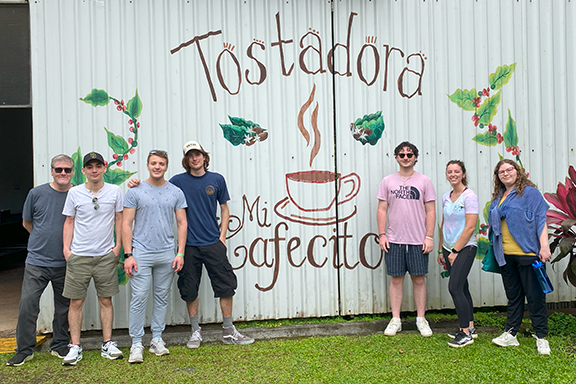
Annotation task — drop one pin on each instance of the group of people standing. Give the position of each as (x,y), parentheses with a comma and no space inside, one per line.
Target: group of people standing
(517,226)
(97,220)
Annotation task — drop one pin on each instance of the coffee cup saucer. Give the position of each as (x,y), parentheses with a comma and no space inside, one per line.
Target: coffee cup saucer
(289,211)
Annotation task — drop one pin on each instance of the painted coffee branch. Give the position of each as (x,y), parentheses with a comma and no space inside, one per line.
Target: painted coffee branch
(300,104)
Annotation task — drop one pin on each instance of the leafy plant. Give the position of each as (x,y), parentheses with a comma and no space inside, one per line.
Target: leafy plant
(368,129)
(562,224)
(562,324)
(243,131)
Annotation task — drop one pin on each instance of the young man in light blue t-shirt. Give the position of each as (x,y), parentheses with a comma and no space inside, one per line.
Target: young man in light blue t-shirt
(148,236)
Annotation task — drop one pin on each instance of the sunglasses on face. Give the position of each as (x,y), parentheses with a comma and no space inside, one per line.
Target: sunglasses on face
(59,170)
(160,151)
(95,202)
(401,155)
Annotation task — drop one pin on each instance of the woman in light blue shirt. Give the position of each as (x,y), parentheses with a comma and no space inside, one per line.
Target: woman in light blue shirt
(459,217)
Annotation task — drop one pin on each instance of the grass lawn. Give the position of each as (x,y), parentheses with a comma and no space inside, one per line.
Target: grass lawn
(405,358)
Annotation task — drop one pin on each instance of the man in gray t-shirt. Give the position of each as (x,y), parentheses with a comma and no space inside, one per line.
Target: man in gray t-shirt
(149,250)
(42,217)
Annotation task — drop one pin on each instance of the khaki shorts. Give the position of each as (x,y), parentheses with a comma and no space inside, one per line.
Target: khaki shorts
(81,269)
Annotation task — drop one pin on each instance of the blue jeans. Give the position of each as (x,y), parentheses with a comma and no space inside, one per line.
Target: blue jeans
(155,268)
(33,285)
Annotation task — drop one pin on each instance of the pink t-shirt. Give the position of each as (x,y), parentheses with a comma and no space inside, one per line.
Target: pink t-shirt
(406,218)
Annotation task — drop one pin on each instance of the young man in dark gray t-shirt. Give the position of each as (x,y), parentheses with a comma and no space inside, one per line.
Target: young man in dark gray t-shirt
(42,217)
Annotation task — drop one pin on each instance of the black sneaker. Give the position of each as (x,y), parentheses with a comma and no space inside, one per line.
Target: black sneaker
(19,359)
(461,340)
(472,333)
(60,352)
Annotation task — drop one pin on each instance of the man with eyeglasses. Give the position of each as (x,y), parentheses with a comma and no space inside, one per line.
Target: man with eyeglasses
(406,218)
(94,213)
(41,215)
(149,250)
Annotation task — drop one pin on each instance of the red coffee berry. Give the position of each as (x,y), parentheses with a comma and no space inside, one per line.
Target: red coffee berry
(131,129)
(126,157)
(130,121)
(130,140)
(116,102)
(132,151)
(119,164)
(115,156)
(138,125)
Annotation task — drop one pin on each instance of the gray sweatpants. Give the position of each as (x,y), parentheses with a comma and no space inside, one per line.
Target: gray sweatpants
(155,269)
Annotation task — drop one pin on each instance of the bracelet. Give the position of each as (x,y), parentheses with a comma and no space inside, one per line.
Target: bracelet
(127,255)
(180,254)
(380,236)
(430,237)
(440,251)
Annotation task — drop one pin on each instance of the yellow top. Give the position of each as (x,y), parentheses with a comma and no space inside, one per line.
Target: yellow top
(509,245)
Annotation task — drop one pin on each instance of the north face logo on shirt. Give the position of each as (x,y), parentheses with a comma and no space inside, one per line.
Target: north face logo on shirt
(406,192)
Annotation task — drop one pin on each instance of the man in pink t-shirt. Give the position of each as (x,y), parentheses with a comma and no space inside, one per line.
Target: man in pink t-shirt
(406,218)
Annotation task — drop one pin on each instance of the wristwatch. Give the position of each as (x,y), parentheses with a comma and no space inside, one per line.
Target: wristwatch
(455,251)
(127,255)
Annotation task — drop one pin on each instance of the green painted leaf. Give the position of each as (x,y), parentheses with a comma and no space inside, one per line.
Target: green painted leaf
(501,76)
(487,138)
(235,134)
(241,122)
(117,176)
(117,143)
(510,135)
(463,98)
(122,276)
(483,245)
(79,177)
(134,107)
(98,97)
(486,210)
(500,157)
(368,129)
(488,109)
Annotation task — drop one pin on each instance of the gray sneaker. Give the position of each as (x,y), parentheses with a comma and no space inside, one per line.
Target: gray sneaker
(461,340)
(195,340)
(232,336)
(506,340)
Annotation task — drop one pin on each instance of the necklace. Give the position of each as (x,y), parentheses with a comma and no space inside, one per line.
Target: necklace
(404,180)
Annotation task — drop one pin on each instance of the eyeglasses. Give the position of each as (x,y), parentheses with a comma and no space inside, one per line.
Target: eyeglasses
(160,151)
(59,170)
(506,171)
(401,155)
(95,202)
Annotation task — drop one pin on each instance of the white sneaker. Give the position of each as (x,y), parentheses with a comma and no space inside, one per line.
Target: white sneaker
(542,345)
(394,326)
(158,347)
(506,340)
(74,355)
(136,354)
(111,351)
(424,327)
(195,340)
(232,336)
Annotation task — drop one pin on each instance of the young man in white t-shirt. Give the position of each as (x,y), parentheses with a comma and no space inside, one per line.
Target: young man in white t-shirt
(94,213)
(406,217)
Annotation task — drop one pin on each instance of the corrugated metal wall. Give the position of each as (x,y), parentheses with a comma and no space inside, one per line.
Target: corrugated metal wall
(303,72)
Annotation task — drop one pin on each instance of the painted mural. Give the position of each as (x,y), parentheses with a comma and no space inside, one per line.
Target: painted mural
(300,105)
(485,108)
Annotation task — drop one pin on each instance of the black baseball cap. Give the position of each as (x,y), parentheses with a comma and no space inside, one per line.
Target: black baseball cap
(93,156)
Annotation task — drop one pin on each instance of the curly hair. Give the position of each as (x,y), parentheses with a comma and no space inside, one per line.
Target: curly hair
(521,179)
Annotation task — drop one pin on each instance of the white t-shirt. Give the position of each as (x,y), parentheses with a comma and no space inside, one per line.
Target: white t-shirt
(455,217)
(93,228)
(406,197)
